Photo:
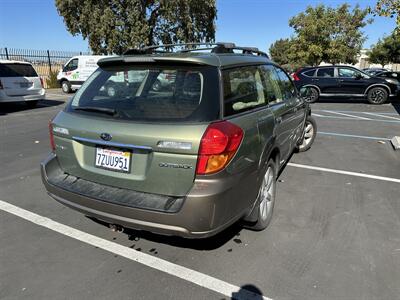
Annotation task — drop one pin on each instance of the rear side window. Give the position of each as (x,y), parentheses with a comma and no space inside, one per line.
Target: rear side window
(17,70)
(310,73)
(243,90)
(326,72)
(161,94)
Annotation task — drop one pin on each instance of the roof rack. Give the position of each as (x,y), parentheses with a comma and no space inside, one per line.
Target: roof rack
(191,47)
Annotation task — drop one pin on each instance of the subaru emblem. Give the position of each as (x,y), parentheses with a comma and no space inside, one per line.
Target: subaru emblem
(106,136)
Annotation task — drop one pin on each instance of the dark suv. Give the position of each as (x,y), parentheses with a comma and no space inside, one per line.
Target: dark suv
(343,81)
(186,158)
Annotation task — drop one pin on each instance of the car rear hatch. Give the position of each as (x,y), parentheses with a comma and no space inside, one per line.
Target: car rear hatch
(134,136)
(19,79)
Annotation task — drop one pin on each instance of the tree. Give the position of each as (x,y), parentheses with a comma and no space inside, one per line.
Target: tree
(328,34)
(388,8)
(386,50)
(378,54)
(113,26)
(279,51)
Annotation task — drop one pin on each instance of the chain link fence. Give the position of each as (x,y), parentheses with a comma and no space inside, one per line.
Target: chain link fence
(44,61)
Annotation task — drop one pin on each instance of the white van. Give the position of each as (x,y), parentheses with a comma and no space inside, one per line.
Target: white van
(19,82)
(76,71)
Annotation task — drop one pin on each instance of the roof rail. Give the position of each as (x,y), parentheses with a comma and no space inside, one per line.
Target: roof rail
(220,47)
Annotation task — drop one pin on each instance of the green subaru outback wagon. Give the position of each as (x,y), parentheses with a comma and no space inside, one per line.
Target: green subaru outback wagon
(182,142)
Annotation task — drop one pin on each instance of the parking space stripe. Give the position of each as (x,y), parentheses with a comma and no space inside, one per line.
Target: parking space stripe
(156,263)
(358,112)
(353,119)
(382,116)
(346,115)
(357,174)
(354,136)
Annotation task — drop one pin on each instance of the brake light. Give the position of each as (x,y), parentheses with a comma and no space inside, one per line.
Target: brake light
(1,85)
(217,147)
(41,82)
(296,77)
(52,144)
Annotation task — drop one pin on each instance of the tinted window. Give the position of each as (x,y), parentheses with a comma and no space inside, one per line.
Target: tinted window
(72,65)
(271,83)
(286,85)
(326,72)
(243,90)
(348,73)
(310,73)
(150,94)
(17,70)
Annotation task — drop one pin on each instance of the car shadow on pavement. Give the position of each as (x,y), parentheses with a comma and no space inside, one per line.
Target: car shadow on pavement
(211,243)
(9,108)
(396,106)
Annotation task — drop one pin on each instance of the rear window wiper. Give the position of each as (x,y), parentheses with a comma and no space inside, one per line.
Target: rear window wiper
(103,110)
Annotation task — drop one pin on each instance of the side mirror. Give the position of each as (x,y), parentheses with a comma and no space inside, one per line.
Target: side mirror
(359,76)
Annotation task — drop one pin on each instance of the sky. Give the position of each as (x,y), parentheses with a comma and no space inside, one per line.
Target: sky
(35,24)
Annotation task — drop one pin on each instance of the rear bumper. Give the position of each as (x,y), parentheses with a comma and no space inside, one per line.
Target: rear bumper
(210,207)
(5,98)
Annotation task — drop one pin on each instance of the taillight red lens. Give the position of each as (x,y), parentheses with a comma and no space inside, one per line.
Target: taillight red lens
(218,145)
(52,144)
(296,77)
(41,82)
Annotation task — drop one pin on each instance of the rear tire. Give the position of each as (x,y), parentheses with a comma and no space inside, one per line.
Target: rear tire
(377,95)
(309,134)
(309,94)
(266,198)
(32,104)
(66,86)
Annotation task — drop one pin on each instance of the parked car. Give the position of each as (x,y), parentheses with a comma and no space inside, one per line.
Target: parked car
(19,82)
(76,71)
(393,77)
(343,81)
(189,160)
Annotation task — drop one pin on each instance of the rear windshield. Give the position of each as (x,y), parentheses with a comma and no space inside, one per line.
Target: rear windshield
(17,70)
(139,93)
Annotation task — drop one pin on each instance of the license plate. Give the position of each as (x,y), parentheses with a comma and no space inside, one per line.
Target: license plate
(114,160)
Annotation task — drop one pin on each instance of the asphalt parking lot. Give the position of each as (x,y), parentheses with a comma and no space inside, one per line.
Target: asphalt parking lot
(335,232)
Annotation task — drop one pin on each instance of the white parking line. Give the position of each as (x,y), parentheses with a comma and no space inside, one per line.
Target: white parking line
(57,95)
(345,172)
(357,112)
(346,115)
(353,119)
(354,136)
(156,263)
(382,116)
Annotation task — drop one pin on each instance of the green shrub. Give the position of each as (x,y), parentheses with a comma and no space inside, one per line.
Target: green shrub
(51,81)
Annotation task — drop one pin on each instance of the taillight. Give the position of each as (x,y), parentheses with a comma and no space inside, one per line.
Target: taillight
(1,85)
(218,145)
(52,144)
(41,82)
(296,77)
